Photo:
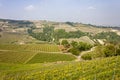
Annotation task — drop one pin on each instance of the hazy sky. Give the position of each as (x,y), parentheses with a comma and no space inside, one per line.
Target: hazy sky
(100,12)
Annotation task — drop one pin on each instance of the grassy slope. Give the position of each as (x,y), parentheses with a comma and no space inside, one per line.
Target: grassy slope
(88,70)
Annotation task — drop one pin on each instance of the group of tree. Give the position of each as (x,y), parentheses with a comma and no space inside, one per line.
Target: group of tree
(111,37)
(50,35)
(103,51)
(76,47)
(111,50)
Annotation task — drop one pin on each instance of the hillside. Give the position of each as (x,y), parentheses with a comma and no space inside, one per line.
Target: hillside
(22,26)
(101,69)
(47,50)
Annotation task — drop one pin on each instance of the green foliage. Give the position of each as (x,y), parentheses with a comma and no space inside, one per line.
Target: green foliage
(46,35)
(98,52)
(84,46)
(65,43)
(74,44)
(109,36)
(74,51)
(118,52)
(51,57)
(109,50)
(61,33)
(78,47)
(49,34)
(102,69)
(86,56)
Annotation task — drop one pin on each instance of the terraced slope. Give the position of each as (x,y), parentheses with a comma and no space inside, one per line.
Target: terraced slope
(14,56)
(30,47)
(49,57)
(102,69)
(33,53)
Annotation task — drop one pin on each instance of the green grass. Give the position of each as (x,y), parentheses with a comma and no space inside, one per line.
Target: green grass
(49,57)
(101,69)
(14,57)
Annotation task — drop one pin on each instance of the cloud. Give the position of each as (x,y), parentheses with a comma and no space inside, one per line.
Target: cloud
(29,8)
(91,8)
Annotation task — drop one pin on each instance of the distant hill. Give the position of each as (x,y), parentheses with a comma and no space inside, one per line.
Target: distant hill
(21,25)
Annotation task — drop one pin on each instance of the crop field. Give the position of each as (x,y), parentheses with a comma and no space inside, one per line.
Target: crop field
(30,47)
(32,53)
(14,57)
(101,69)
(32,57)
(49,57)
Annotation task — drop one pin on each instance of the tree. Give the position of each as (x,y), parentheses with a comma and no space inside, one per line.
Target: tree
(74,51)
(87,56)
(84,46)
(74,44)
(65,43)
(109,50)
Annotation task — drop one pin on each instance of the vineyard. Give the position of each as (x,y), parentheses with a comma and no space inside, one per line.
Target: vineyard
(30,47)
(32,53)
(14,57)
(47,57)
(101,69)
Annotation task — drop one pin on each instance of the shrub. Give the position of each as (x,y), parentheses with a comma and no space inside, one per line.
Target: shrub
(74,51)
(117,52)
(84,46)
(65,43)
(87,56)
(74,44)
(109,50)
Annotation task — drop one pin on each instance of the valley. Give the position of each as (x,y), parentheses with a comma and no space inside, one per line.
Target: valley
(47,50)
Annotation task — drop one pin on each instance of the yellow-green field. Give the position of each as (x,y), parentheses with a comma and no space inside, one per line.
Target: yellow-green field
(32,53)
(101,69)
(30,47)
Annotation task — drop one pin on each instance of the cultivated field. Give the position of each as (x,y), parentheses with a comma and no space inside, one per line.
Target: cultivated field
(30,47)
(101,69)
(32,53)
(14,56)
(51,57)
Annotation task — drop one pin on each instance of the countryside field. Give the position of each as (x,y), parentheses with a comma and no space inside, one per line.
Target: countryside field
(101,69)
(30,47)
(32,53)
(58,51)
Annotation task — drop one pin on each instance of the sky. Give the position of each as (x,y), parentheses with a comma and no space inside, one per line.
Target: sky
(98,12)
